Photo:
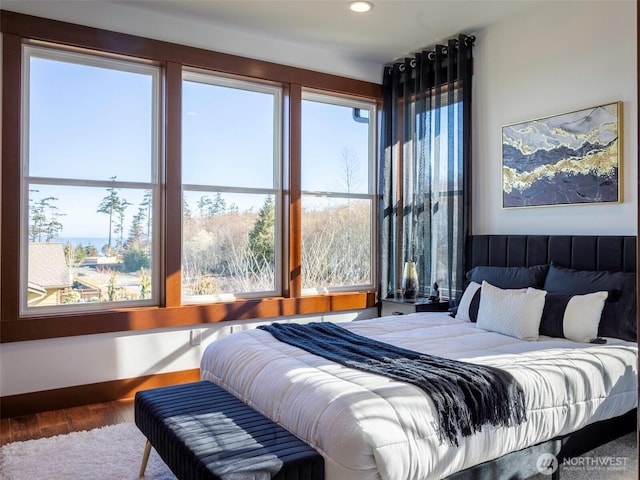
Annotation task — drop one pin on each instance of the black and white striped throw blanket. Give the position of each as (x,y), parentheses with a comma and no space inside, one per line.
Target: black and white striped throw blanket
(466,395)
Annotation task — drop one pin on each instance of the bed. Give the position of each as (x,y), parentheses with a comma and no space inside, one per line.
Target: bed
(368,426)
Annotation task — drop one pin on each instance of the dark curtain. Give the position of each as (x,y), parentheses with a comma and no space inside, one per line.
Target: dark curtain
(425,159)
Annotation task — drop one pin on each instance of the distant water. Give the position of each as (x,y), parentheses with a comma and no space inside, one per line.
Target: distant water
(97,242)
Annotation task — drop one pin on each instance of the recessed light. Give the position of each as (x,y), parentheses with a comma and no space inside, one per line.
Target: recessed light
(360,7)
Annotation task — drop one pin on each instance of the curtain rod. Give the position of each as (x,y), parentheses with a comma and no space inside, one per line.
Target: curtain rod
(431,54)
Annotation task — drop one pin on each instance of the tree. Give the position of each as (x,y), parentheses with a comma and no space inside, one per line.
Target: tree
(90,250)
(146,207)
(145,284)
(108,206)
(37,218)
(262,238)
(135,259)
(208,207)
(203,205)
(112,287)
(43,219)
(118,228)
(74,255)
(350,173)
(114,206)
(136,230)
(219,205)
(186,211)
(53,227)
(140,229)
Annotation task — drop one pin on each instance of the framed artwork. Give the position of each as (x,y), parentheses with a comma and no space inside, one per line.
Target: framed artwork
(567,159)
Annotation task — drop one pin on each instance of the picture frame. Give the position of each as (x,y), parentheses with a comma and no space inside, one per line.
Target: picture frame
(572,158)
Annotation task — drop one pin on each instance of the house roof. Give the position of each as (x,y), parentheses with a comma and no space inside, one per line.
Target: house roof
(47,265)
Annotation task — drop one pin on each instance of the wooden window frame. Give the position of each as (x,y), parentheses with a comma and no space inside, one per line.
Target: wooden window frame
(18,28)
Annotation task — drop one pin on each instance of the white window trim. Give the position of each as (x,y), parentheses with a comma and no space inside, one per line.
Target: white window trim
(214,79)
(315,96)
(114,63)
(370,106)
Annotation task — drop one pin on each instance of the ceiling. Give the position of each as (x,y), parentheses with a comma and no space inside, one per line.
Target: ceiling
(321,35)
(390,30)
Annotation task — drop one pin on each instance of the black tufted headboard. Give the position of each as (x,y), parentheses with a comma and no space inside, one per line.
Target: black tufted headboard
(581,252)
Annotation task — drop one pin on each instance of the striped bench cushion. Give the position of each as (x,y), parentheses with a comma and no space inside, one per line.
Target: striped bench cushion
(201,431)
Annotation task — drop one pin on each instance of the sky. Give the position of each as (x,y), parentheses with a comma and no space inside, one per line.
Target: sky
(87,122)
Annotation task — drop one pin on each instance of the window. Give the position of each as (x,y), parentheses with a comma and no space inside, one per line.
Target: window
(231,157)
(153,185)
(89,181)
(446,196)
(338,185)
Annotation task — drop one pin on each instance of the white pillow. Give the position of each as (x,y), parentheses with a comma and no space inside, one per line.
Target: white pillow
(582,316)
(576,317)
(516,313)
(464,311)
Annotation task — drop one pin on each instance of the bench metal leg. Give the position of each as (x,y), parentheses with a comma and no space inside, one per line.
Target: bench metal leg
(145,458)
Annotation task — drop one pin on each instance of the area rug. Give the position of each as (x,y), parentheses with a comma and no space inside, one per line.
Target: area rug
(107,453)
(115,452)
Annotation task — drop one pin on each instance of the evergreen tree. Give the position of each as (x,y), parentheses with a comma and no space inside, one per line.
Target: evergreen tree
(134,259)
(53,227)
(262,237)
(114,206)
(186,211)
(37,219)
(136,229)
(90,250)
(43,222)
(208,207)
(146,206)
(140,229)
(204,206)
(74,255)
(118,228)
(109,206)
(219,205)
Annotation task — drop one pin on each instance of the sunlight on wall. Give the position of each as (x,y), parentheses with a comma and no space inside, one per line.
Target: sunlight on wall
(64,362)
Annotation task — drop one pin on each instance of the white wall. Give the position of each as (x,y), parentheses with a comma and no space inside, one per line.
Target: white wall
(64,362)
(559,57)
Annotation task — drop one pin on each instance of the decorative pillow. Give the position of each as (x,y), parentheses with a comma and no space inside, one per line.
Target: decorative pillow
(516,313)
(510,277)
(618,317)
(575,317)
(467,309)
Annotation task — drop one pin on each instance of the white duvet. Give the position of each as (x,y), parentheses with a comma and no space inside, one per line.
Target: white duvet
(370,427)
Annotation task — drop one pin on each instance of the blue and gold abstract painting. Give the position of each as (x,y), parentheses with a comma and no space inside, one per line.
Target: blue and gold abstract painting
(565,159)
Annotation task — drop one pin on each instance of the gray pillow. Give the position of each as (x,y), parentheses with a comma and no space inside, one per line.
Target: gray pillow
(510,277)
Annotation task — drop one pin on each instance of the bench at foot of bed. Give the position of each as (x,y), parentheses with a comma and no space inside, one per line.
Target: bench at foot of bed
(201,431)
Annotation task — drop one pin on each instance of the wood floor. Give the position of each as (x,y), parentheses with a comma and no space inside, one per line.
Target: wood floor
(58,422)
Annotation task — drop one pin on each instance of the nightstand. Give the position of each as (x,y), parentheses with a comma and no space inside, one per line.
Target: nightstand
(400,306)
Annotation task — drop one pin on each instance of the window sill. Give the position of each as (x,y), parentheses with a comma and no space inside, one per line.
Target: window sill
(123,320)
